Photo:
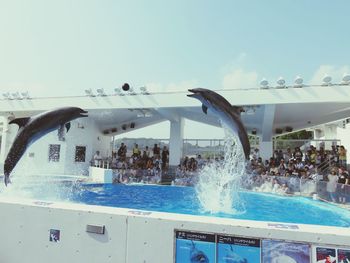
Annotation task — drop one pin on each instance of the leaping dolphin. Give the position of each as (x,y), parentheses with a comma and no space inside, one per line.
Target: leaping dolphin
(228,114)
(33,128)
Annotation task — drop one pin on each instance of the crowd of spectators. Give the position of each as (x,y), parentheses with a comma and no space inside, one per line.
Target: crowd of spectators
(282,173)
(144,165)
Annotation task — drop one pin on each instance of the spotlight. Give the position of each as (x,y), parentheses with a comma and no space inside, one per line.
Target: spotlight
(89,92)
(327,80)
(144,90)
(7,96)
(105,132)
(254,131)
(16,96)
(281,83)
(264,84)
(119,92)
(114,130)
(298,82)
(346,79)
(25,95)
(124,127)
(101,92)
(132,125)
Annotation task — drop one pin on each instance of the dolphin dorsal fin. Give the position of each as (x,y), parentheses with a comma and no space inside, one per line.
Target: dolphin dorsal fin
(204,109)
(67,126)
(20,121)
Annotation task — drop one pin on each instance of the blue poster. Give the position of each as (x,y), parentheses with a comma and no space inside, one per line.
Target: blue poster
(193,247)
(232,249)
(285,252)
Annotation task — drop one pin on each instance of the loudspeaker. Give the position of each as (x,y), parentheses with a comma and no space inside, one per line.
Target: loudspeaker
(132,125)
(114,130)
(289,129)
(105,132)
(124,127)
(278,131)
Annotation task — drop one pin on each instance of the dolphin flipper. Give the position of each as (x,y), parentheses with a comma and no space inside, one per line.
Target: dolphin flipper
(67,126)
(20,122)
(204,109)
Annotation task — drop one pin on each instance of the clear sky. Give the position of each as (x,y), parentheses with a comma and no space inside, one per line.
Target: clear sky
(63,47)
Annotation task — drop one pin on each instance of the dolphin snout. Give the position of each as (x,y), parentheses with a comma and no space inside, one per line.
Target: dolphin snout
(83,113)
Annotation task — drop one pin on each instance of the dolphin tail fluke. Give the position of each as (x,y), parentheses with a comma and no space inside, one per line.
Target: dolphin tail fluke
(20,121)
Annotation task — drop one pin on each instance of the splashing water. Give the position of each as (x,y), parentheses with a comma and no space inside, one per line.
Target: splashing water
(26,185)
(219,183)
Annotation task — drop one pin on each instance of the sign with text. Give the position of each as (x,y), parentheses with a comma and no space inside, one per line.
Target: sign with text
(194,247)
(237,249)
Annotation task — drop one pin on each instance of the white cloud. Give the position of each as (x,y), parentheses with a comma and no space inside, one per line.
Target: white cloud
(336,72)
(240,79)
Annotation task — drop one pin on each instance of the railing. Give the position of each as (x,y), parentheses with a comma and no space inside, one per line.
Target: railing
(304,144)
(299,187)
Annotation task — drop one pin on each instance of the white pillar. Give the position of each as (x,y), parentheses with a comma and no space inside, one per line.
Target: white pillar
(266,150)
(8,134)
(266,145)
(176,141)
(330,133)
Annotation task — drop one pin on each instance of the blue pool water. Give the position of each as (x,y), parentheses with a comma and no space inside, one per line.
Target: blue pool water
(183,200)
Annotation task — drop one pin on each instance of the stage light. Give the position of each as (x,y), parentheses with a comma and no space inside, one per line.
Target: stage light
(25,95)
(346,79)
(264,84)
(118,91)
(281,83)
(101,92)
(89,92)
(144,90)
(327,80)
(298,82)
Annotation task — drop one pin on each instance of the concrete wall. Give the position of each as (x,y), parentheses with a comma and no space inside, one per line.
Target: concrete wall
(130,235)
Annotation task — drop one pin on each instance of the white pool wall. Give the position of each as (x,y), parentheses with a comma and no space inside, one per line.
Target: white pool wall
(130,235)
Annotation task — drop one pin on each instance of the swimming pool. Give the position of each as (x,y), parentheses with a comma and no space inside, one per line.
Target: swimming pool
(183,200)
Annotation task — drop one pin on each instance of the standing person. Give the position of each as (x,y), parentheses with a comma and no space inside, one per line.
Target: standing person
(343,181)
(342,156)
(156,151)
(97,159)
(122,152)
(136,153)
(165,155)
(332,185)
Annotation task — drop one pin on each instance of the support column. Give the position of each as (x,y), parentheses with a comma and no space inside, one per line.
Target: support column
(176,142)
(266,145)
(330,133)
(266,150)
(7,137)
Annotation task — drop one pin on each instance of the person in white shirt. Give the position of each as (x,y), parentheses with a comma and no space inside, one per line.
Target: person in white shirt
(97,159)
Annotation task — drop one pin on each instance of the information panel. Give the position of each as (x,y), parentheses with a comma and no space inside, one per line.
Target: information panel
(237,249)
(194,247)
(285,252)
(325,255)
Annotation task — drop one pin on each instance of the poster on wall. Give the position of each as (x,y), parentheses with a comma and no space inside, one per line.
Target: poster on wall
(194,247)
(237,249)
(325,255)
(285,252)
(343,255)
